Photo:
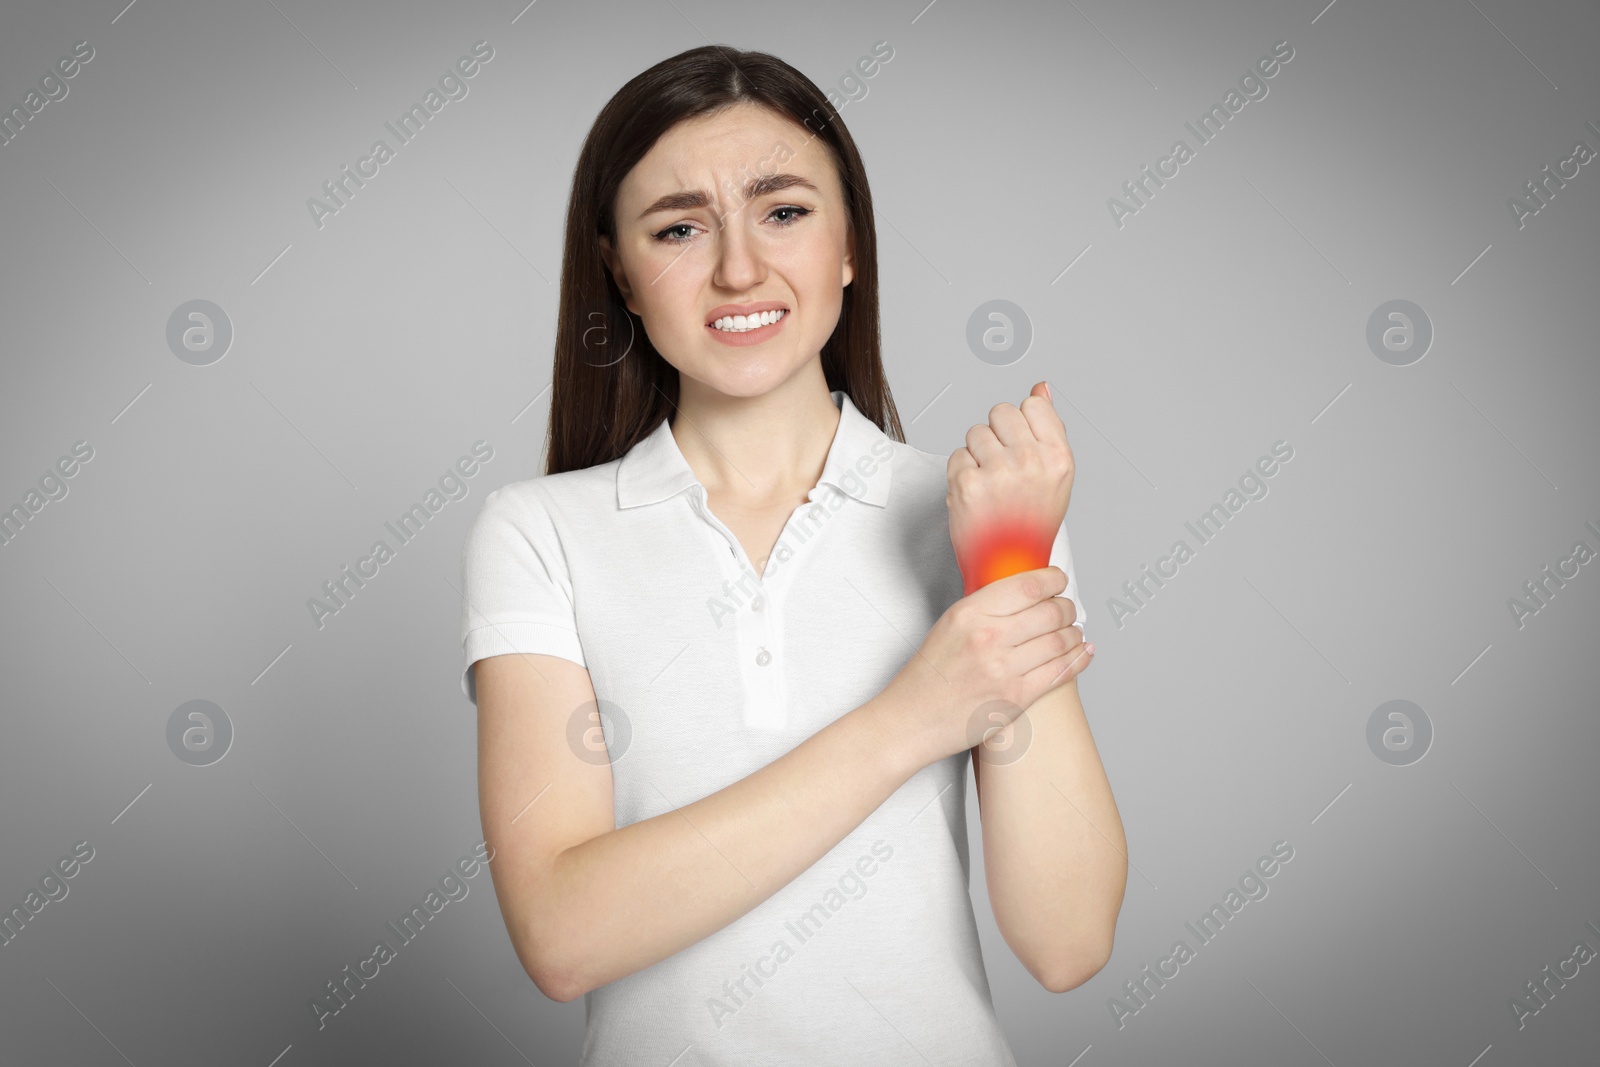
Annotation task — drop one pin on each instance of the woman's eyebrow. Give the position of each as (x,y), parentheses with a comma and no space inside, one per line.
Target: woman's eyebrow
(760,186)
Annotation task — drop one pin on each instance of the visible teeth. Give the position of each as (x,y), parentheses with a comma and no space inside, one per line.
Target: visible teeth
(742,323)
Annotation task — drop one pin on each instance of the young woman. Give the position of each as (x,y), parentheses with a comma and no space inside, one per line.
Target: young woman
(727,680)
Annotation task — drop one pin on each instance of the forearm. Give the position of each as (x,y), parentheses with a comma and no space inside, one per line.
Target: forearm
(1055,855)
(626,899)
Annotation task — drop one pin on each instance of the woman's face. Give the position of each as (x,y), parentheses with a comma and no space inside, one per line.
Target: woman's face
(697,243)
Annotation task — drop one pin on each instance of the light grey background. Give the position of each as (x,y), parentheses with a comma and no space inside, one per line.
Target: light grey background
(1229,313)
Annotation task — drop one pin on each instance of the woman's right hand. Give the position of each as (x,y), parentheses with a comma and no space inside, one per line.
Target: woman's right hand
(988,657)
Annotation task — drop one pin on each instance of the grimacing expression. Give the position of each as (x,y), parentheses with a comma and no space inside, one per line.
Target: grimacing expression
(743,206)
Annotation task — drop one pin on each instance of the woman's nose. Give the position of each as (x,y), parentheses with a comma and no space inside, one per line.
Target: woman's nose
(739,264)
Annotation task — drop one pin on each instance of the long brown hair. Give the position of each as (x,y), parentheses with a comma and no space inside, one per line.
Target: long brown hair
(609,386)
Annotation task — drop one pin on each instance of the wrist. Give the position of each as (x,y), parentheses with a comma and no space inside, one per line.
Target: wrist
(899,736)
(1000,546)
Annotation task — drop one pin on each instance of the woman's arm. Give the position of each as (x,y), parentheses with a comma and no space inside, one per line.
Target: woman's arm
(587,903)
(1054,853)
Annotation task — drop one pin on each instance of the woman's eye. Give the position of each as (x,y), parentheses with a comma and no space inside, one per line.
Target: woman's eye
(663,236)
(799,213)
(672,235)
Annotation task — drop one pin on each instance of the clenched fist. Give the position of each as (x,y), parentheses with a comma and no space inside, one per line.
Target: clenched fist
(1009,489)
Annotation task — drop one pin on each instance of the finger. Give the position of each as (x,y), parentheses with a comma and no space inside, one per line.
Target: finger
(960,460)
(1021,591)
(1043,633)
(1043,422)
(1061,669)
(1052,647)
(1010,425)
(983,444)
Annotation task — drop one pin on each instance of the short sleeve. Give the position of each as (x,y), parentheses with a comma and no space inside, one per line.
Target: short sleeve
(1061,556)
(516,586)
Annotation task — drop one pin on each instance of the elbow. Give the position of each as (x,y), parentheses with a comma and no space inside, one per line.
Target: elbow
(557,983)
(557,987)
(1074,969)
(546,966)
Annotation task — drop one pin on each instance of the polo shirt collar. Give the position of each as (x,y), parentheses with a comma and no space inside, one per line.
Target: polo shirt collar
(654,469)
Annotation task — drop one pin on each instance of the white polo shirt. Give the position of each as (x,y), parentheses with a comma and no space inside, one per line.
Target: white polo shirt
(706,672)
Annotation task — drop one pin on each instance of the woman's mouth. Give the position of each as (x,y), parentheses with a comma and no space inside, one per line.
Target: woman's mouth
(747,329)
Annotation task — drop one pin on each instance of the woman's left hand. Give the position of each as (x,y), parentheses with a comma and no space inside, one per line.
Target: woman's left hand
(1008,490)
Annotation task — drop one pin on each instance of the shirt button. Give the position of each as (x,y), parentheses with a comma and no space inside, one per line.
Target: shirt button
(757,604)
(763,657)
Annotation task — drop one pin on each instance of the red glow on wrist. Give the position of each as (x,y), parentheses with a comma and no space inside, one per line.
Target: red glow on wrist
(1001,547)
